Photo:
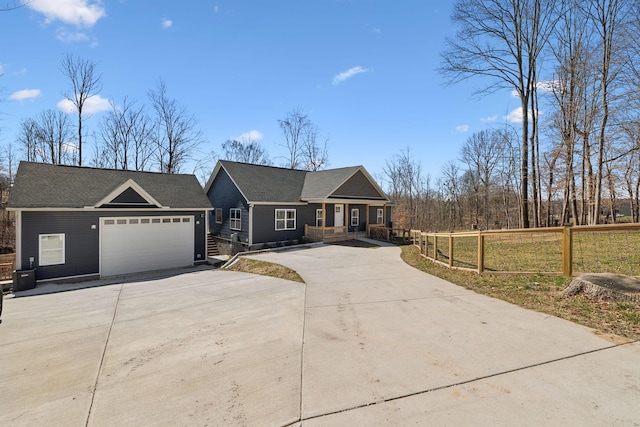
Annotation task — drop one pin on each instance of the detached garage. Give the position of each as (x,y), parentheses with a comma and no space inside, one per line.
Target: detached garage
(76,222)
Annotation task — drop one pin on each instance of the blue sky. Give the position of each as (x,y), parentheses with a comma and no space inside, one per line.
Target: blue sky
(364,70)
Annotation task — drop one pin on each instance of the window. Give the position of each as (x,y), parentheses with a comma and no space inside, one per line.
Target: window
(51,249)
(380,216)
(235,222)
(285,219)
(318,217)
(219,216)
(355,217)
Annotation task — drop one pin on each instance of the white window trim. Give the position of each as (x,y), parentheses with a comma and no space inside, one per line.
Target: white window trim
(233,220)
(380,216)
(355,219)
(286,219)
(62,237)
(319,218)
(218,211)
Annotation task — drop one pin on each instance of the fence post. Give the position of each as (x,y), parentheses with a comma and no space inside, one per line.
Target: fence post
(567,251)
(480,252)
(450,250)
(435,247)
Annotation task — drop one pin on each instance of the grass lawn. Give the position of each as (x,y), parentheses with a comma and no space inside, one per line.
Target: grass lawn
(540,293)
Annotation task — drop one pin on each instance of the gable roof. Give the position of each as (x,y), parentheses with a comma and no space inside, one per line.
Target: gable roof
(40,185)
(269,184)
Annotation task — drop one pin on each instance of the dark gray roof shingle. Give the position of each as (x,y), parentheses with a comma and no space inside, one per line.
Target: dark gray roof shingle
(39,185)
(268,184)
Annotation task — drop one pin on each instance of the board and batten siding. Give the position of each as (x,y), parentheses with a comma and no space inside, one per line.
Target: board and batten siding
(82,243)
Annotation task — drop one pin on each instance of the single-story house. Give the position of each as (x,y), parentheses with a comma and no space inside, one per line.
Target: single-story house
(260,205)
(80,222)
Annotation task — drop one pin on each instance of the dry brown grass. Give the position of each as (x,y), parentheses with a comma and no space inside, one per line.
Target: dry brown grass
(540,293)
(265,269)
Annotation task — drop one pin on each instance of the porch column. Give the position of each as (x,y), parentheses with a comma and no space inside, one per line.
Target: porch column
(366,218)
(324,218)
(347,220)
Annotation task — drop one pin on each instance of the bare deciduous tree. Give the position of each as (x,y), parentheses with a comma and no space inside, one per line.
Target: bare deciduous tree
(503,40)
(249,151)
(175,135)
(85,83)
(126,135)
(305,145)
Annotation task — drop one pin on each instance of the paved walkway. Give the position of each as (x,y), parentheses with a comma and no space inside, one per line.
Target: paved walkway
(368,341)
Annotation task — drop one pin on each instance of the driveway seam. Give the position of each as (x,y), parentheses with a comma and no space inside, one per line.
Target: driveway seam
(304,321)
(484,377)
(104,352)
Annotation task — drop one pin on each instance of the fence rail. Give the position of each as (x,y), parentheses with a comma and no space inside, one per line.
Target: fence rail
(565,251)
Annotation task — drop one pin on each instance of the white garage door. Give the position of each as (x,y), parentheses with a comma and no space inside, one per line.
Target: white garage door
(129,245)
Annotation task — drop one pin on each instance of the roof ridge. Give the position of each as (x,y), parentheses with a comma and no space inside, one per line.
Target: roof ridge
(103,169)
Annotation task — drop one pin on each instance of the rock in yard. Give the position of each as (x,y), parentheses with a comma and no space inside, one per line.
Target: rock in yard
(605,286)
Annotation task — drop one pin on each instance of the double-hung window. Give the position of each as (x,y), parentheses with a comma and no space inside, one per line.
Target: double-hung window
(51,249)
(355,217)
(380,216)
(285,219)
(235,222)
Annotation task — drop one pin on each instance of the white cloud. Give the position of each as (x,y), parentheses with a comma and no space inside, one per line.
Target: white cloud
(348,74)
(92,105)
(167,23)
(462,128)
(24,94)
(252,135)
(71,37)
(215,9)
(81,13)
(489,119)
(515,116)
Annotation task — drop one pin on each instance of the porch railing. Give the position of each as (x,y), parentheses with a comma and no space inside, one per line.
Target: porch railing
(321,234)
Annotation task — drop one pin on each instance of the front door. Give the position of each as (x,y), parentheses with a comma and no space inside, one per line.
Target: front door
(339,216)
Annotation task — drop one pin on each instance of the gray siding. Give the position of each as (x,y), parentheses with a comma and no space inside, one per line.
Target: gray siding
(225,195)
(81,242)
(82,246)
(264,223)
(357,186)
(373,215)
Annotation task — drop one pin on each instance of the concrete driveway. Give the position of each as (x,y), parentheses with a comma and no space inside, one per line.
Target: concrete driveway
(368,341)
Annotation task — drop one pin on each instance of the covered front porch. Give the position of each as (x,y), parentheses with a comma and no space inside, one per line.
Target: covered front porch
(347,219)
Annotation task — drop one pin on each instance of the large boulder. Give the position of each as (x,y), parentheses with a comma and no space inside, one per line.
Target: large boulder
(605,286)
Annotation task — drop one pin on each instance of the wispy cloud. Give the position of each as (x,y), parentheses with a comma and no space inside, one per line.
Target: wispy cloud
(71,36)
(81,13)
(489,119)
(462,128)
(252,135)
(25,94)
(93,105)
(167,23)
(215,9)
(348,74)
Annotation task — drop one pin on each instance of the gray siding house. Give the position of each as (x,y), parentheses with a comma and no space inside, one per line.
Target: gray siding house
(79,222)
(262,205)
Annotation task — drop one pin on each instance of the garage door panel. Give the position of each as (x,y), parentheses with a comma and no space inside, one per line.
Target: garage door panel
(131,245)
